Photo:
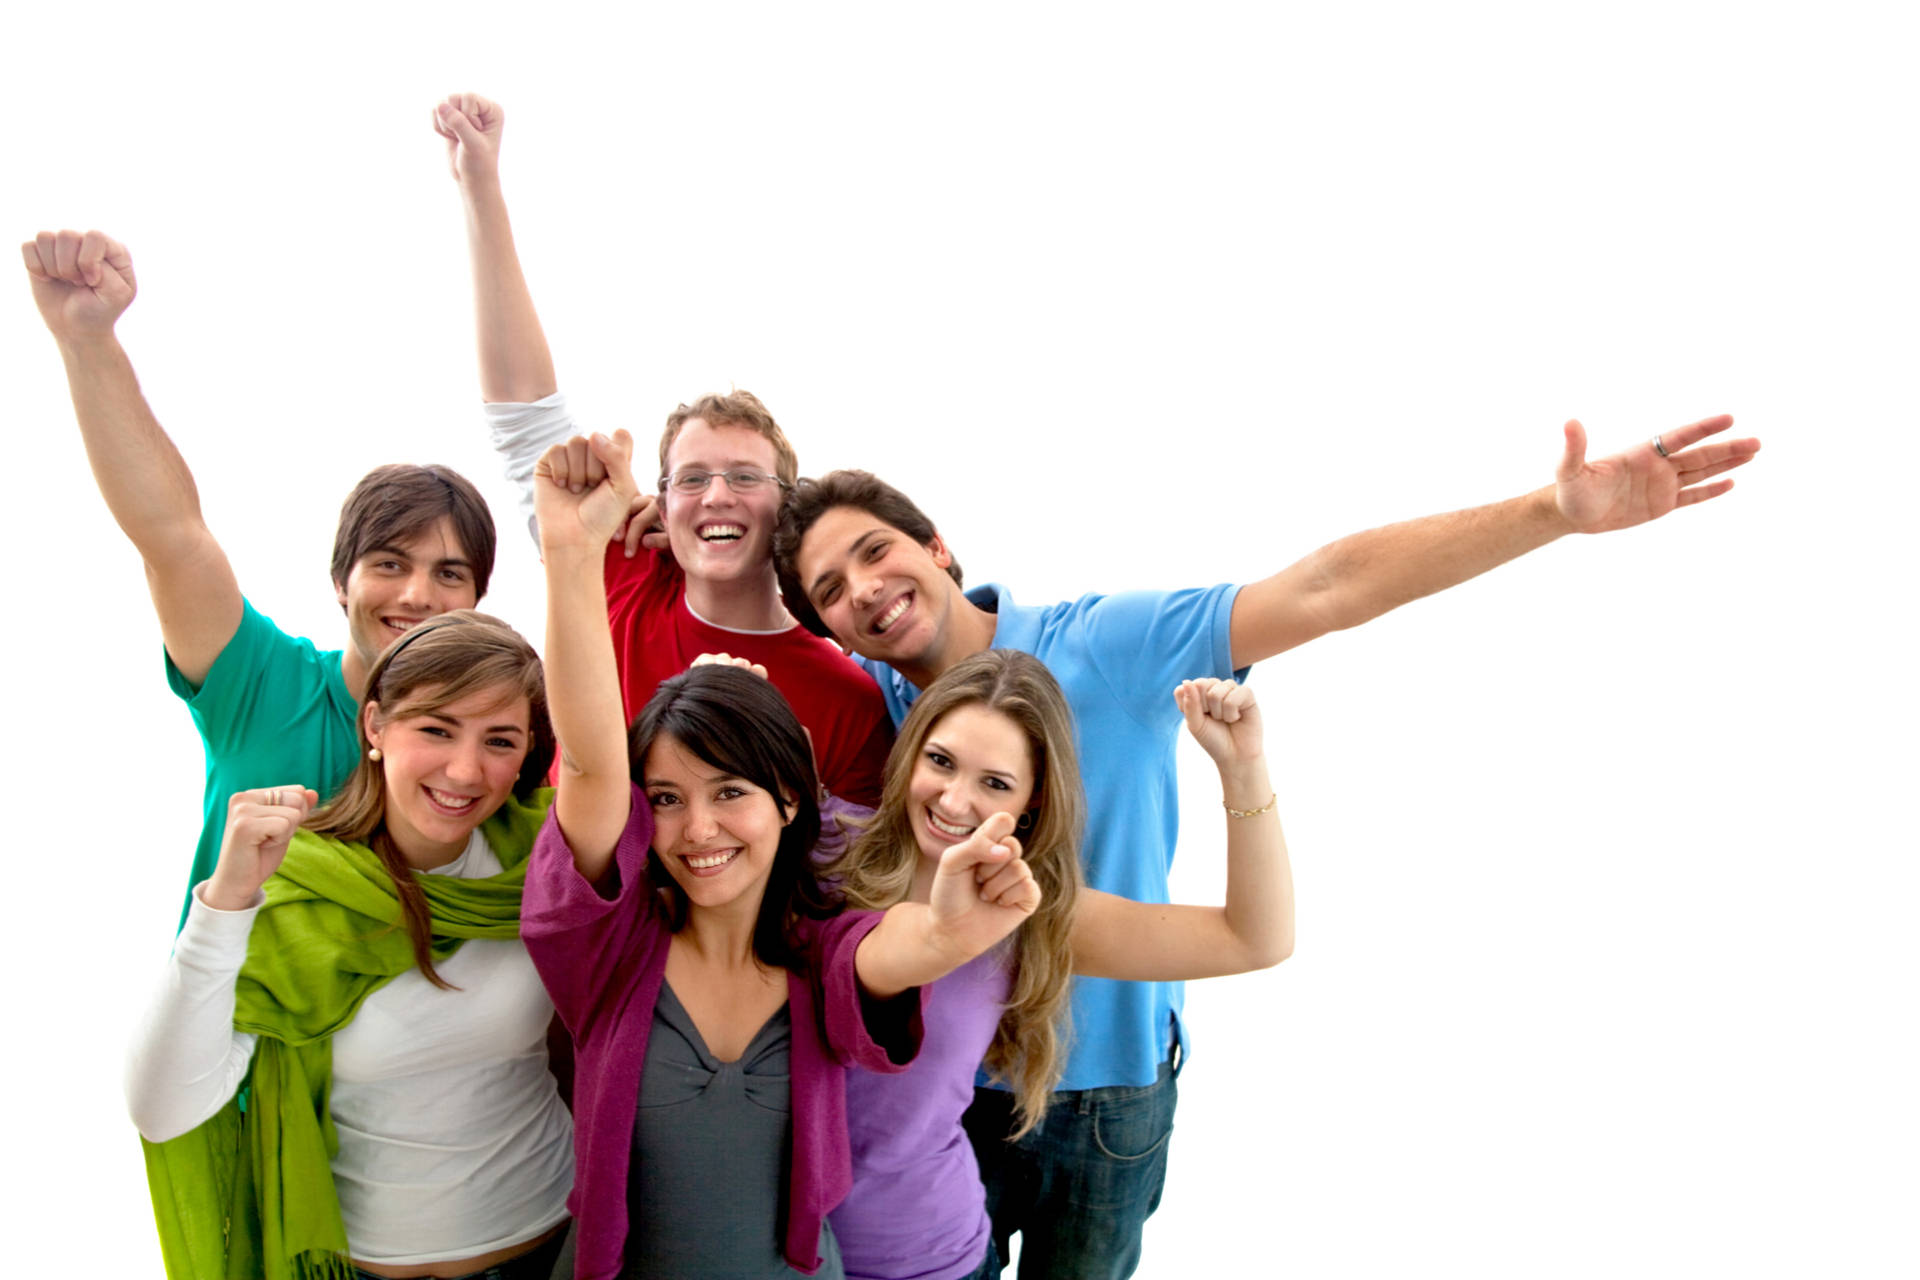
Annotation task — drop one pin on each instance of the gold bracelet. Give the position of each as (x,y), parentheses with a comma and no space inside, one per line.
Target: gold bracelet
(1251,813)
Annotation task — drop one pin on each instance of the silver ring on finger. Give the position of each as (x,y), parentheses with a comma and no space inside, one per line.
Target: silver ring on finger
(1660,448)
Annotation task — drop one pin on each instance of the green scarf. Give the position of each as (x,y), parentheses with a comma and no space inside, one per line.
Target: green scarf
(250,1194)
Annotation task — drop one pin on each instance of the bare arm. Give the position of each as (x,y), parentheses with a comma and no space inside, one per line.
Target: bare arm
(1362,576)
(1115,937)
(515,365)
(82,284)
(981,893)
(583,687)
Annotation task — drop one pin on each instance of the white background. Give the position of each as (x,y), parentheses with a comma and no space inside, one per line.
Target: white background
(1606,960)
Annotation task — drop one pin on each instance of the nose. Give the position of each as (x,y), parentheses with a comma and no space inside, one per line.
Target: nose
(464,764)
(417,591)
(953,799)
(864,586)
(700,825)
(718,492)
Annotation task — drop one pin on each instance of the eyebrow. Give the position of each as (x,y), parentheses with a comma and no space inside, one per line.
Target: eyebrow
(934,744)
(821,579)
(494,728)
(404,554)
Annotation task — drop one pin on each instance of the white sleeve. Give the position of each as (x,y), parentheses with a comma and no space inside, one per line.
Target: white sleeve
(186,1059)
(521,433)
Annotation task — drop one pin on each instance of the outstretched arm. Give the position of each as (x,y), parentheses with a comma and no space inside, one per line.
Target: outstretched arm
(982,892)
(1115,937)
(82,284)
(1360,577)
(515,364)
(577,517)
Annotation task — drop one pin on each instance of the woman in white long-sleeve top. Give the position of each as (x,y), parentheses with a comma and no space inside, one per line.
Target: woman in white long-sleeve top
(345,1070)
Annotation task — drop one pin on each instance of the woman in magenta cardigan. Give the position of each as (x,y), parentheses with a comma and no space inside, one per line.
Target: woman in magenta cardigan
(714,997)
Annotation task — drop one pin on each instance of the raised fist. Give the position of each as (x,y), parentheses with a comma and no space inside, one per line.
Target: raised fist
(81,283)
(472,127)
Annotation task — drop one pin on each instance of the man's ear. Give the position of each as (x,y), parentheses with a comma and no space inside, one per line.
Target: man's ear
(935,548)
(340,594)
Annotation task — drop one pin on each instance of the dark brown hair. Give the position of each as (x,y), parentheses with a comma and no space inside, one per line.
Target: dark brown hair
(735,409)
(812,499)
(434,665)
(398,502)
(739,723)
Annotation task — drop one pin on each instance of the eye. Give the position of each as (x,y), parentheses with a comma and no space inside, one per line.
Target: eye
(939,760)
(826,595)
(454,575)
(663,799)
(434,731)
(875,550)
(997,784)
(389,566)
(730,793)
(503,744)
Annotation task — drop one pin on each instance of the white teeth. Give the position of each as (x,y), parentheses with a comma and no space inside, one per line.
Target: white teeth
(708,861)
(446,801)
(722,533)
(946,828)
(892,615)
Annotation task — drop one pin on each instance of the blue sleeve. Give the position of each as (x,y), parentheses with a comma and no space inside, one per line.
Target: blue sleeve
(1143,643)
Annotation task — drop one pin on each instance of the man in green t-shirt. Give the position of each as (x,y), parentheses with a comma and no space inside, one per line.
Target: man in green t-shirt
(271,708)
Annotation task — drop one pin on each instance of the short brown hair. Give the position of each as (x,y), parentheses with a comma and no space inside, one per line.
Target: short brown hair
(399,502)
(735,409)
(811,499)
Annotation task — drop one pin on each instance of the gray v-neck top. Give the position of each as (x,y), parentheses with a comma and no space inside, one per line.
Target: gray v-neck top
(713,1139)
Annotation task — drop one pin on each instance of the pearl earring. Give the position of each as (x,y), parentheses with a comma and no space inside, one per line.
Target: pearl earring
(373,754)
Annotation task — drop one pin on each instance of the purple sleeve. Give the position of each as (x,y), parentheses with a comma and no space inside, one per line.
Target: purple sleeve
(874,1035)
(574,935)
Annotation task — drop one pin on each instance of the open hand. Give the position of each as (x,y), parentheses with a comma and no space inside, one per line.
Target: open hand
(1639,485)
(81,283)
(472,127)
(983,889)
(260,825)
(583,490)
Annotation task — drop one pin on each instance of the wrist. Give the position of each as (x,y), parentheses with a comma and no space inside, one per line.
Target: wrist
(228,895)
(83,344)
(1543,510)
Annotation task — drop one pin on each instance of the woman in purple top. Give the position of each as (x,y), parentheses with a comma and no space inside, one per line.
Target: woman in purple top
(988,751)
(672,912)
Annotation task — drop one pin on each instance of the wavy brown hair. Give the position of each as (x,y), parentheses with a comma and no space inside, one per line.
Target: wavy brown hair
(434,665)
(1029,1047)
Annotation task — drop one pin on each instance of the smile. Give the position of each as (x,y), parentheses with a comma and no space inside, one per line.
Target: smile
(706,864)
(403,624)
(451,803)
(892,615)
(722,533)
(947,828)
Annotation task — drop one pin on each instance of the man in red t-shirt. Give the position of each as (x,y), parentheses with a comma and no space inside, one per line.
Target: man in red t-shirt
(705,585)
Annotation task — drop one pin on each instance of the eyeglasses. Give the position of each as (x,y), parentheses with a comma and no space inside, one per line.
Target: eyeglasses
(694,481)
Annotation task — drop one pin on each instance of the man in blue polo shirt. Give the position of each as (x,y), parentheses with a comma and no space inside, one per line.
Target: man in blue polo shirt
(271,708)
(859,561)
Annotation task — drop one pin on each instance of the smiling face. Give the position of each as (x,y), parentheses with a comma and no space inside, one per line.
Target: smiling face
(446,771)
(393,588)
(716,834)
(720,535)
(975,762)
(882,594)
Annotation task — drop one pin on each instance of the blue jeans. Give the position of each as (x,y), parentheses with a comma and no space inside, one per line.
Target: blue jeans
(1081,1185)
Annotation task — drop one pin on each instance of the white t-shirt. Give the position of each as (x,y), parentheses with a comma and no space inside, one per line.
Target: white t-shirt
(453,1138)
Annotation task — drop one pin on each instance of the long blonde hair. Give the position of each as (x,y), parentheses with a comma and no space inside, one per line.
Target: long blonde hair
(1028,1053)
(434,665)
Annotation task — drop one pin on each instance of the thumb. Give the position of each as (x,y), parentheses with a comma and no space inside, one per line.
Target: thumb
(616,455)
(988,843)
(454,122)
(1576,455)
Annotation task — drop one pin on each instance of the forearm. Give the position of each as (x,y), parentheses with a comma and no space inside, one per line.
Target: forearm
(1366,574)
(905,950)
(1259,906)
(186,1059)
(515,364)
(142,476)
(583,699)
